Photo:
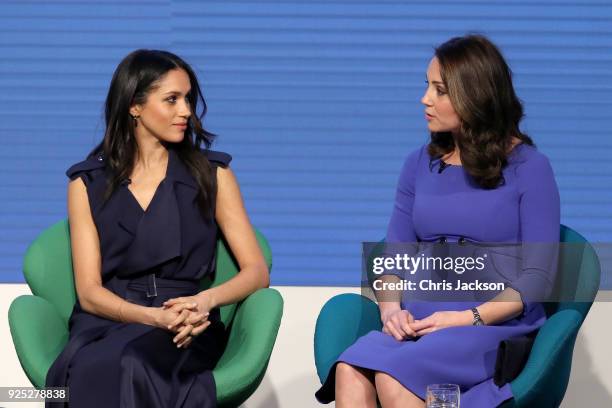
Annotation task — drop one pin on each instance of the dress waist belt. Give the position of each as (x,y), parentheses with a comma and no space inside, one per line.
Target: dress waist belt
(151,284)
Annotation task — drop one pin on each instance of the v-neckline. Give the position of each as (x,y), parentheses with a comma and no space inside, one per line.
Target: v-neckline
(144,210)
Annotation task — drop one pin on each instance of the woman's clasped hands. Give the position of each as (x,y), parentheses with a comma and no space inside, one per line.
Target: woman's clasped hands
(186,316)
(402,325)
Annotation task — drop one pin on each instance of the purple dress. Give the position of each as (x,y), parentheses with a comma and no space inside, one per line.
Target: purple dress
(431,205)
(148,257)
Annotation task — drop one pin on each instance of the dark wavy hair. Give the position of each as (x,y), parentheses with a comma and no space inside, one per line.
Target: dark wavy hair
(479,84)
(135,77)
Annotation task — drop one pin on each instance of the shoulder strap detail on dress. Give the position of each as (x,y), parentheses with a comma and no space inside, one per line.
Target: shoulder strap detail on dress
(91,163)
(219,158)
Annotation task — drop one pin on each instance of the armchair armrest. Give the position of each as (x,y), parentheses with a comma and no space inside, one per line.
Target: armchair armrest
(548,366)
(342,320)
(39,334)
(251,339)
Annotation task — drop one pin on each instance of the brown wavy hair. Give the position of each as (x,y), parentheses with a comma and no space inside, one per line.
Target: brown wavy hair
(479,84)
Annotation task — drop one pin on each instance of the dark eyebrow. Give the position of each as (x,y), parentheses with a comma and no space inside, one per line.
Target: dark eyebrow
(175,92)
(434,82)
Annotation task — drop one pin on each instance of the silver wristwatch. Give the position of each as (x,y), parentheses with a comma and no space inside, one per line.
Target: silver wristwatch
(477,319)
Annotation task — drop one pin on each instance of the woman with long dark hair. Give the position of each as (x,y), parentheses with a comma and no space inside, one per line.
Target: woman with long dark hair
(478,180)
(145,209)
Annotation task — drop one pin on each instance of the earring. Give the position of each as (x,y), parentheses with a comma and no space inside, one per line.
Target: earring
(135,119)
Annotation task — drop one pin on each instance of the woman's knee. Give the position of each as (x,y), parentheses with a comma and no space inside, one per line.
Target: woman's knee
(390,391)
(386,385)
(354,386)
(350,376)
(345,374)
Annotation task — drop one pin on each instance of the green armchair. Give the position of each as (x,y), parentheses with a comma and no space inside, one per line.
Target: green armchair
(543,380)
(39,323)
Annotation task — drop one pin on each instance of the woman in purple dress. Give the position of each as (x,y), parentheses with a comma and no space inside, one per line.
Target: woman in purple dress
(145,209)
(479,180)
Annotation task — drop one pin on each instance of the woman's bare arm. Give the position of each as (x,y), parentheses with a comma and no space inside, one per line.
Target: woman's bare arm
(234,222)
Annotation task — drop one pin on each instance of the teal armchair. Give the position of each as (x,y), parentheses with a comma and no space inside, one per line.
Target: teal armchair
(39,322)
(543,381)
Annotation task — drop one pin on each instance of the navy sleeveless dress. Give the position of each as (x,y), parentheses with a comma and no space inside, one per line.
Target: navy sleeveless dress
(148,257)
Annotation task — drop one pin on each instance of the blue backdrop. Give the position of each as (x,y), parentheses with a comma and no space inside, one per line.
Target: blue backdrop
(318,102)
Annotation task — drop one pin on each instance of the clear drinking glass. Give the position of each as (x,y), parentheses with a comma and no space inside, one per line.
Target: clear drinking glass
(442,396)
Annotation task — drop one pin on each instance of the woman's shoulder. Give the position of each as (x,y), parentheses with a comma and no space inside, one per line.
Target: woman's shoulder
(527,158)
(93,164)
(217,158)
(530,167)
(416,156)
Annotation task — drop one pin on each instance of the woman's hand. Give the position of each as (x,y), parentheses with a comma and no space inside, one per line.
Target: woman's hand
(193,318)
(187,324)
(181,319)
(440,320)
(397,323)
(201,302)
(164,317)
